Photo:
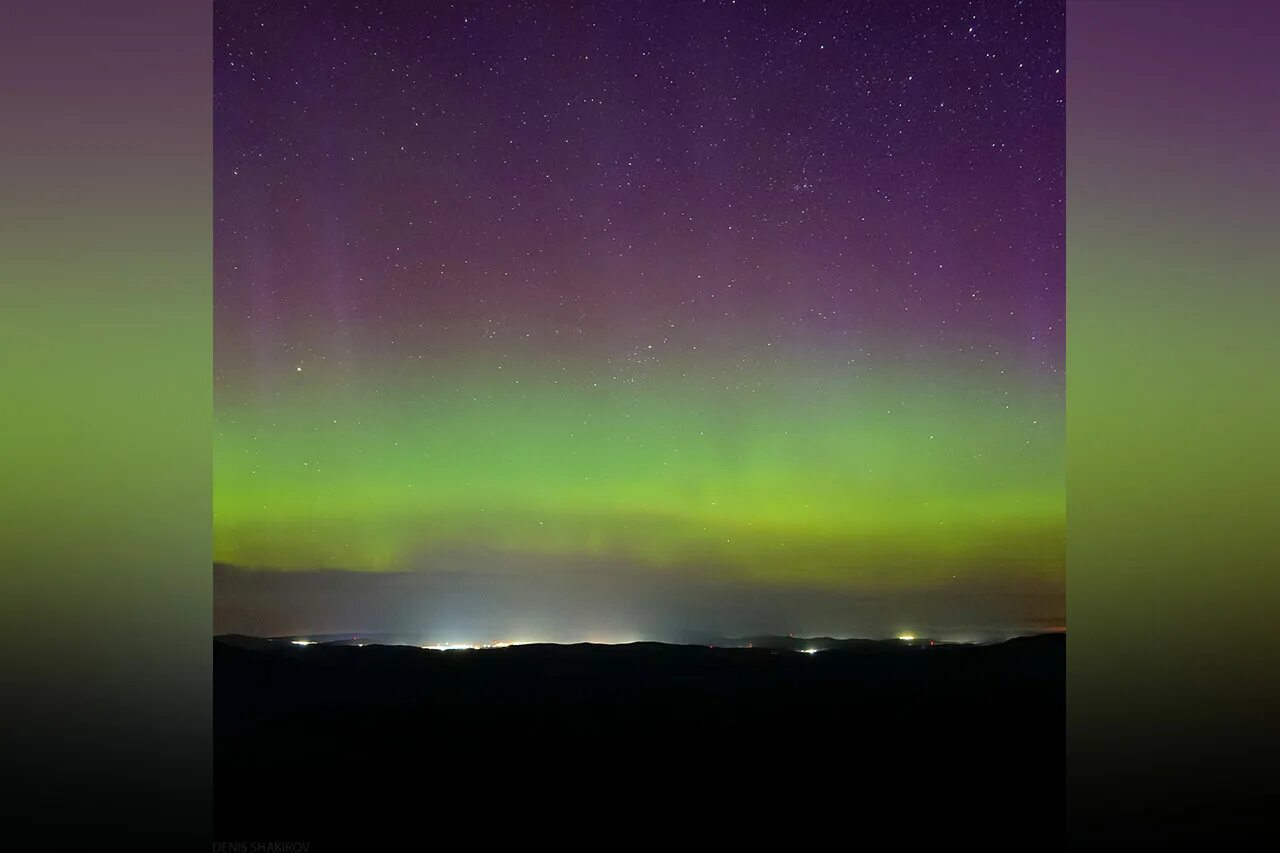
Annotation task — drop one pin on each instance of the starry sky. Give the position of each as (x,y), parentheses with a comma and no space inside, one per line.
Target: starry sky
(761,296)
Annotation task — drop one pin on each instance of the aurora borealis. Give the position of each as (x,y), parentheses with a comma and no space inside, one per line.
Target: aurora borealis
(761,295)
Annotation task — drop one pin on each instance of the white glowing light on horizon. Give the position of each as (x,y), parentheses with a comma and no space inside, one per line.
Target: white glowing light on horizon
(810,651)
(907,637)
(304,642)
(453,647)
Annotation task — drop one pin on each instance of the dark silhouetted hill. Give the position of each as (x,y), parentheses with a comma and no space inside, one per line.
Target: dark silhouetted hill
(333,741)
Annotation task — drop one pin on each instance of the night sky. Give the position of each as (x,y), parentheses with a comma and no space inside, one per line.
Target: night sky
(615,315)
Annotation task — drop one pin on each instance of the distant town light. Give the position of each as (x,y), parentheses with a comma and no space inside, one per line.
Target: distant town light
(304,642)
(907,637)
(810,651)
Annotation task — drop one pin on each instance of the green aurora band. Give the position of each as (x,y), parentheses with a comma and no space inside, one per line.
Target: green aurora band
(797,474)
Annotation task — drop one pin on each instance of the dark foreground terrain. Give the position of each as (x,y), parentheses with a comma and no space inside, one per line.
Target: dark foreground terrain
(344,746)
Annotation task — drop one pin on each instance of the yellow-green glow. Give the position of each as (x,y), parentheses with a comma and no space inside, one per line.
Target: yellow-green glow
(890,479)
